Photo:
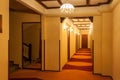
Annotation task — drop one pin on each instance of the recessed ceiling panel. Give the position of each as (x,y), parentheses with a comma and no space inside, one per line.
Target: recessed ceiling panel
(75,2)
(51,3)
(85,20)
(83,25)
(82,22)
(74,20)
(96,2)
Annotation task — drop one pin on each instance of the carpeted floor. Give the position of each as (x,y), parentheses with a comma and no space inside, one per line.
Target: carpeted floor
(33,66)
(80,68)
(25,79)
(81,60)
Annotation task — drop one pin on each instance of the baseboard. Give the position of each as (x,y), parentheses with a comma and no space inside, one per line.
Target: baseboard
(111,77)
(52,70)
(103,75)
(97,74)
(108,76)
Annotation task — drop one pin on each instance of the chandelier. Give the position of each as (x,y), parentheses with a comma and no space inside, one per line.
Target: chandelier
(67,8)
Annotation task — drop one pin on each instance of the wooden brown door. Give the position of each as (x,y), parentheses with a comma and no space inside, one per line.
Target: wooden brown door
(85,41)
(68,45)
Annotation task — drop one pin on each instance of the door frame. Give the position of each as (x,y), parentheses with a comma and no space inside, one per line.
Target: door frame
(68,36)
(83,40)
(40,44)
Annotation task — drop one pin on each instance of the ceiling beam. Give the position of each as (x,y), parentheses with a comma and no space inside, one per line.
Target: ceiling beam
(86,5)
(59,1)
(87,2)
(40,2)
(25,11)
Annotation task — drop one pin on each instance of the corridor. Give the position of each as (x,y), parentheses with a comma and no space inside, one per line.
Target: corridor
(82,60)
(79,67)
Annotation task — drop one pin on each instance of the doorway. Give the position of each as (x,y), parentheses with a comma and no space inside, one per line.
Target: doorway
(31,45)
(68,37)
(84,41)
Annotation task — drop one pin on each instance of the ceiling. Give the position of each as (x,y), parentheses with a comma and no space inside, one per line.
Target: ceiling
(83,23)
(55,4)
(16,6)
(51,4)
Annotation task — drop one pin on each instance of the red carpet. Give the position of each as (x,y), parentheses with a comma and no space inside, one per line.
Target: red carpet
(83,54)
(25,79)
(81,60)
(84,68)
(83,57)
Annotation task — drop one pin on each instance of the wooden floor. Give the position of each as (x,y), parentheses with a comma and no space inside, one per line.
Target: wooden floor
(67,73)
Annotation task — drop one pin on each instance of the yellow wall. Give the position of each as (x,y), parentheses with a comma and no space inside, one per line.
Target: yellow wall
(107,43)
(116,43)
(52,37)
(97,30)
(64,44)
(103,44)
(4,37)
(72,42)
(16,19)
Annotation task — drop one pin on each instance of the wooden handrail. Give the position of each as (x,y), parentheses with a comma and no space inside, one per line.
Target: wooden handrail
(25,44)
(29,51)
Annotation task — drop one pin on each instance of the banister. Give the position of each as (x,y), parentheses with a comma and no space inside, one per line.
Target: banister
(29,51)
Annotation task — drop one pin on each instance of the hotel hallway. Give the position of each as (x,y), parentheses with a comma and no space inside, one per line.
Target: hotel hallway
(79,67)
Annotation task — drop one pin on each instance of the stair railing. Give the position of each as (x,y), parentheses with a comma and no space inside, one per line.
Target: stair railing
(27,51)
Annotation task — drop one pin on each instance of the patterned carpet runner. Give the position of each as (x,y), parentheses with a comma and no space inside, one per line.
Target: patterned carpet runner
(82,60)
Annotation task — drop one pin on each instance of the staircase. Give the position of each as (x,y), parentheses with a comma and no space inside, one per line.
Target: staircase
(13,67)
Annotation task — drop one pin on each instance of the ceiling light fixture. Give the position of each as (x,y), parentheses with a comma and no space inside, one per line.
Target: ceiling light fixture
(67,8)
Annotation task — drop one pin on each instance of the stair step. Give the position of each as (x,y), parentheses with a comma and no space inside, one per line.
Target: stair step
(13,67)
(11,62)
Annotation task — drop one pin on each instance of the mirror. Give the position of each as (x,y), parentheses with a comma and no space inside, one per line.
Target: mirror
(31,45)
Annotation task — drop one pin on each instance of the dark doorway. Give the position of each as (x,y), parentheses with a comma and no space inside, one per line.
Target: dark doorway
(31,45)
(77,42)
(68,45)
(85,41)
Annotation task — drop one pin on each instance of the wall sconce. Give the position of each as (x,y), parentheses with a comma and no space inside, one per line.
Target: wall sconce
(78,33)
(75,31)
(91,28)
(65,27)
(70,29)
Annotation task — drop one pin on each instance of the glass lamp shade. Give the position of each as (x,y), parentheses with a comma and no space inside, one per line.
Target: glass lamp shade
(67,8)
